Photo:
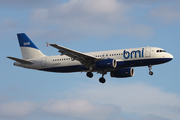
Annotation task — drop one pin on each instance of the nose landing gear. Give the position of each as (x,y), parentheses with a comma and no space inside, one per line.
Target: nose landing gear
(150,72)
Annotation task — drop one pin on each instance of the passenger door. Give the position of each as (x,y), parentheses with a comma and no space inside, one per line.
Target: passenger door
(148,52)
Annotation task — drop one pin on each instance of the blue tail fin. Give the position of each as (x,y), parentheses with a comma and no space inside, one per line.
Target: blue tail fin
(24,41)
(28,48)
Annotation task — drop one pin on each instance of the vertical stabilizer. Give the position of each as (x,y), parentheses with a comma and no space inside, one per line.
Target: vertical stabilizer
(28,48)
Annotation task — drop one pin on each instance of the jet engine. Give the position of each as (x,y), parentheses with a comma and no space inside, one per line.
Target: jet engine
(122,73)
(107,63)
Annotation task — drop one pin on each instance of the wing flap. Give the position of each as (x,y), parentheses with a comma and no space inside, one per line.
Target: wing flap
(20,60)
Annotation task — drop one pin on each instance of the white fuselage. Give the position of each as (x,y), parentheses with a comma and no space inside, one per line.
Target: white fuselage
(130,57)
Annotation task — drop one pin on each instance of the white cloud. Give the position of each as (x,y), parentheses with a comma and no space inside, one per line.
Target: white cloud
(24,3)
(167,13)
(152,117)
(80,109)
(101,102)
(16,109)
(83,14)
(70,108)
(79,18)
(138,99)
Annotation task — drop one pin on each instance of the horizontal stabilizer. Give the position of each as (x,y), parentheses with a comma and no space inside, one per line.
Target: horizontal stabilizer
(20,60)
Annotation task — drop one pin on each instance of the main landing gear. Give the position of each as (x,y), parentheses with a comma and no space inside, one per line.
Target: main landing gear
(150,72)
(101,80)
(89,74)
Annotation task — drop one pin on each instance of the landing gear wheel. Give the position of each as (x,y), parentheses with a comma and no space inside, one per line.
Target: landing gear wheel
(89,74)
(150,73)
(102,80)
(150,68)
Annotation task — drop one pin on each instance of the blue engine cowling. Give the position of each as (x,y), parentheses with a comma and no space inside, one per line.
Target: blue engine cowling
(121,73)
(107,63)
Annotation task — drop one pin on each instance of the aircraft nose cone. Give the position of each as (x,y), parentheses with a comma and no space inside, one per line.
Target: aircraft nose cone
(171,56)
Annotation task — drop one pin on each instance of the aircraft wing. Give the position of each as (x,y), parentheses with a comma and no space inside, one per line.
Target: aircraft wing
(85,59)
(20,60)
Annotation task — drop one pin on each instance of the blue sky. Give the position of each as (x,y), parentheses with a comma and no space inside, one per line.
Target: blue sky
(90,25)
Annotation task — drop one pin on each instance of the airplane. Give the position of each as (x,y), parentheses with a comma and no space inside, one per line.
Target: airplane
(118,62)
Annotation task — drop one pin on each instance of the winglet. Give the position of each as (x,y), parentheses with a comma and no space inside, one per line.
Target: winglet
(47,44)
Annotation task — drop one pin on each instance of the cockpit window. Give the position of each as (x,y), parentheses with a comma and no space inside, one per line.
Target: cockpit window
(160,51)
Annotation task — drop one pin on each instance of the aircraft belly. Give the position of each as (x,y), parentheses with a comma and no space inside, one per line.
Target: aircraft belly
(63,69)
(145,62)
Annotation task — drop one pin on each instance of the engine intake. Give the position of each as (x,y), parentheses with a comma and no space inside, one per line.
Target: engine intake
(122,73)
(107,63)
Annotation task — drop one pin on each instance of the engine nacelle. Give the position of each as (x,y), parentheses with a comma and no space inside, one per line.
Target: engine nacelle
(121,73)
(107,63)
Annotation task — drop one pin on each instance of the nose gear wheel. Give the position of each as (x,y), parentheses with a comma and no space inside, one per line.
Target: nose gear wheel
(150,68)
